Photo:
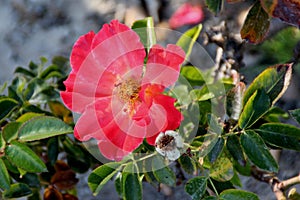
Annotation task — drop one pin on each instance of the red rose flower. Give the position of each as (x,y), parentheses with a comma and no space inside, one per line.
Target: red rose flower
(187,14)
(120,98)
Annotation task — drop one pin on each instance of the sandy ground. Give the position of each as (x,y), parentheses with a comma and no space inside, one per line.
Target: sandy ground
(33,28)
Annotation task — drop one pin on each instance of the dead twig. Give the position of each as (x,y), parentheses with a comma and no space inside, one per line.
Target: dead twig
(278,187)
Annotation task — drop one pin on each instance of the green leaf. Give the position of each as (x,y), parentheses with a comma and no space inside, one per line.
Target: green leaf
(202,94)
(3,87)
(214,5)
(283,41)
(2,142)
(281,135)
(163,173)
(33,66)
(275,114)
(77,158)
(17,190)
(257,105)
(118,184)
(24,158)
(34,87)
(79,164)
(7,105)
(132,186)
(221,169)
(145,29)
(193,75)
(236,180)
(25,72)
(15,90)
(235,149)
(27,116)
(214,124)
(216,151)
(43,127)
(31,179)
(101,175)
(187,163)
(233,194)
(9,166)
(274,81)
(206,143)
(49,70)
(4,176)
(52,149)
(10,131)
(39,91)
(257,151)
(188,39)
(296,114)
(256,24)
(150,178)
(196,187)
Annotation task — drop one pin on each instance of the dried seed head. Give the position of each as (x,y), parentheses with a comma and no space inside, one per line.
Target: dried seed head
(168,144)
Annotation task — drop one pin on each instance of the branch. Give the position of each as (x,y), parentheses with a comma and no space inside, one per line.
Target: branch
(289,182)
(271,179)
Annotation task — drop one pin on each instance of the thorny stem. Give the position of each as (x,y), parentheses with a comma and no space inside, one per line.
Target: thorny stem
(278,187)
(289,182)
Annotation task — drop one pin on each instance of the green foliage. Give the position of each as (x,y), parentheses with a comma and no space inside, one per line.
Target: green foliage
(17,190)
(193,75)
(234,147)
(188,39)
(7,105)
(43,127)
(281,135)
(24,119)
(222,169)
(214,5)
(257,105)
(145,29)
(24,158)
(279,49)
(196,187)
(100,176)
(296,114)
(162,173)
(274,81)
(131,184)
(257,151)
(4,176)
(233,194)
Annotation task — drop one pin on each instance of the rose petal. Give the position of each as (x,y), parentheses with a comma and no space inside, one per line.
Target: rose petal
(81,49)
(118,48)
(163,65)
(187,14)
(111,151)
(87,126)
(115,50)
(174,116)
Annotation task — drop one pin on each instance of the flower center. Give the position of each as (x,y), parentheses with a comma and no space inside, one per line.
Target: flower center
(128,90)
(166,143)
